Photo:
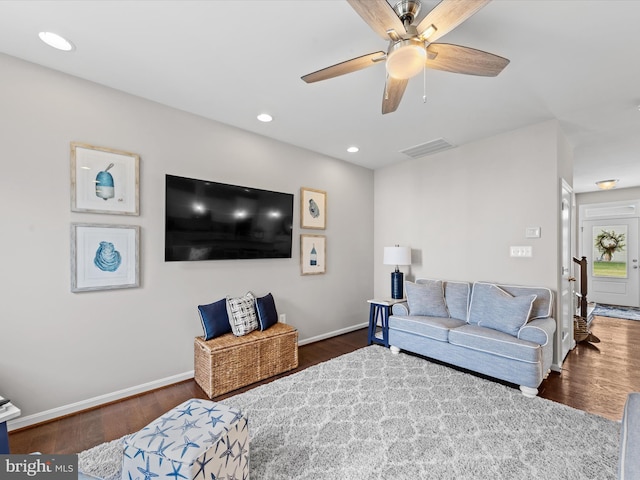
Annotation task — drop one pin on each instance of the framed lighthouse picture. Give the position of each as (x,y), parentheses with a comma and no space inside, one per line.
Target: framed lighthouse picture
(104,180)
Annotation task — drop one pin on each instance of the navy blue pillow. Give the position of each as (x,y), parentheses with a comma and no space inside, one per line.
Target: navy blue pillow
(215,320)
(267,314)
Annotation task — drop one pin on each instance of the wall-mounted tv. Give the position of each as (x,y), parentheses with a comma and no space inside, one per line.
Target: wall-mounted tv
(215,221)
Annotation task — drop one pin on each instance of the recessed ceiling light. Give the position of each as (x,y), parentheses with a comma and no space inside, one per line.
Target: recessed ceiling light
(56,41)
(265,117)
(353,149)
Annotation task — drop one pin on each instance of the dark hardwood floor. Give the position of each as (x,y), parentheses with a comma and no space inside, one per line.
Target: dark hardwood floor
(595,378)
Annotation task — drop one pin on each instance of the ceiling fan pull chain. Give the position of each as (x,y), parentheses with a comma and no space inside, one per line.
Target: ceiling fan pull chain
(424,84)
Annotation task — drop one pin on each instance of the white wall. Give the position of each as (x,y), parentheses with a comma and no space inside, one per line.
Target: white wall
(58,348)
(460,210)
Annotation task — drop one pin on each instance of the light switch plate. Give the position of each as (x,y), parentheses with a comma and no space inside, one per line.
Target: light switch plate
(532,232)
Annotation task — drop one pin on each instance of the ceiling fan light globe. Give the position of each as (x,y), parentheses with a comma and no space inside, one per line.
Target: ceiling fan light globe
(406,59)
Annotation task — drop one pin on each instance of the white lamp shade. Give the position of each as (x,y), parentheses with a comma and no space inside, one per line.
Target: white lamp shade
(397,256)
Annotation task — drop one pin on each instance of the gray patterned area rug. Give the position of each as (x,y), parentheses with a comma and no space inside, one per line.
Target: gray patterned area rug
(370,414)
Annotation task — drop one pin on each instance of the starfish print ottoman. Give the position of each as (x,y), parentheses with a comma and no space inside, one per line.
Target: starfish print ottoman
(197,440)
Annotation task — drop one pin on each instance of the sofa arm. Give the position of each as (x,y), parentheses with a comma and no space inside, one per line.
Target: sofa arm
(629,462)
(540,331)
(401,308)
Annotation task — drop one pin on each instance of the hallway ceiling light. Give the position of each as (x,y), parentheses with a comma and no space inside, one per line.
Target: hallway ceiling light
(353,149)
(265,117)
(607,184)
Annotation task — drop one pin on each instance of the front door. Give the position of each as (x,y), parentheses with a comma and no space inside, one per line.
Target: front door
(611,248)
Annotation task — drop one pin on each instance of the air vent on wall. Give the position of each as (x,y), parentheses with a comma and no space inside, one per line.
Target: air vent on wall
(428,148)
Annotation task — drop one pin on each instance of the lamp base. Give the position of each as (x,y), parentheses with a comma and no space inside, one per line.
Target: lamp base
(397,279)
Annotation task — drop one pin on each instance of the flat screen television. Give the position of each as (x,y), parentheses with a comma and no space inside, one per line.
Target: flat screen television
(215,221)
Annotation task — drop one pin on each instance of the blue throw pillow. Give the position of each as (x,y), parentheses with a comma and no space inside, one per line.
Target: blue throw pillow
(494,308)
(215,321)
(267,314)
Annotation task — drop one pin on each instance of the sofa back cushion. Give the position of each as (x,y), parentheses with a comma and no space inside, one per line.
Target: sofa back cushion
(497,309)
(457,296)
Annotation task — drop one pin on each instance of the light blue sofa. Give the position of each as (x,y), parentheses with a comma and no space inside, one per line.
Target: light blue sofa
(503,331)
(629,463)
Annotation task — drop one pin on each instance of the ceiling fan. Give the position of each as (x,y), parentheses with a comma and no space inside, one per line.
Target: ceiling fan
(410,46)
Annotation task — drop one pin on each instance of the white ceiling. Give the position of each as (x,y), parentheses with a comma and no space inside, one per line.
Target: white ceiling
(571,60)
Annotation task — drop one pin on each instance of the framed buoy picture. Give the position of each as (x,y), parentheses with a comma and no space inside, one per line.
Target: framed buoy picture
(104,257)
(313,254)
(313,208)
(104,180)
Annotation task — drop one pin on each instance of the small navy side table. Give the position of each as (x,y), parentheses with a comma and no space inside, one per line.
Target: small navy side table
(379,312)
(7,412)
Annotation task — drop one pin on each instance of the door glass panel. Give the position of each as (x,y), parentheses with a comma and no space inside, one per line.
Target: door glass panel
(609,251)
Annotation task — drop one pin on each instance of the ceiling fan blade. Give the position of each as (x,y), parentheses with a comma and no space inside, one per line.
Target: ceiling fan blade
(342,68)
(457,59)
(379,16)
(393,91)
(447,15)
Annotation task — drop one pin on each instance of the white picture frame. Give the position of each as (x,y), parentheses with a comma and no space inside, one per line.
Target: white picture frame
(104,257)
(104,180)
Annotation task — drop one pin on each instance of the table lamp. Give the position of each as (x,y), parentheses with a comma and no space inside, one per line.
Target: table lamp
(397,256)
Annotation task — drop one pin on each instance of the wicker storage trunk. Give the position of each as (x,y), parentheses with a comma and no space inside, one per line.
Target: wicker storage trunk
(228,362)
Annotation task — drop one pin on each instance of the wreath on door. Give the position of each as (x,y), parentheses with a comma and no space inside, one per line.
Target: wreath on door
(608,243)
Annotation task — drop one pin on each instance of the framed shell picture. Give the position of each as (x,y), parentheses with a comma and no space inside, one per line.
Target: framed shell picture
(104,257)
(104,180)
(313,208)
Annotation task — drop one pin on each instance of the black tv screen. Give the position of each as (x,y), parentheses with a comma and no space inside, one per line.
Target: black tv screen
(216,221)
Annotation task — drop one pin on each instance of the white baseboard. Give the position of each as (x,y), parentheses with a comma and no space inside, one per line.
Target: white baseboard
(335,333)
(47,415)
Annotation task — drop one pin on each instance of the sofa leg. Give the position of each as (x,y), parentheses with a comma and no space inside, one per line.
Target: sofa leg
(394,350)
(546,375)
(528,391)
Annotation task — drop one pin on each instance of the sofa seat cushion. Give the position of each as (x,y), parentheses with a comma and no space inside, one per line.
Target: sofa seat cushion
(495,342)
(436,328)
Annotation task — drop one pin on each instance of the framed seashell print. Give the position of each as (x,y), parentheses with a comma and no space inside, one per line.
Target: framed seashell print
(313,208)
(104,180)
(104,257)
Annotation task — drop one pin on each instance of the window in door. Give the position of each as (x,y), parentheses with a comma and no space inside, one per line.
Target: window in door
(609,251)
